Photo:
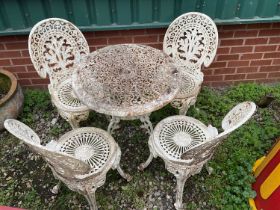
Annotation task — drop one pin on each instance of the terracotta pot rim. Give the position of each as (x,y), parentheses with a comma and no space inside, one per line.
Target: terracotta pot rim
(13,87)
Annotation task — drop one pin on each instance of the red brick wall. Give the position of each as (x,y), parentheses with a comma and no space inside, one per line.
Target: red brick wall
(246,53)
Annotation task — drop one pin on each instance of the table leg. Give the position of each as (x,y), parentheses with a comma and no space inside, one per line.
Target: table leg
(114,124)
(145,119)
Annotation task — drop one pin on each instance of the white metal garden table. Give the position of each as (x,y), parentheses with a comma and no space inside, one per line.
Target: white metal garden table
(126,81)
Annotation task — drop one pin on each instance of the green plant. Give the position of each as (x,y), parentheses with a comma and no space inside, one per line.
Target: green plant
(6,194)
(276,92)
(31,200)
(56,131)
(228,187)
(35,101)
(248,91)
(234,158)
(211,106)
(134,191)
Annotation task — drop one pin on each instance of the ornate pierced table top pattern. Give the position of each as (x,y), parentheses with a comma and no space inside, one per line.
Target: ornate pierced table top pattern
(126,80)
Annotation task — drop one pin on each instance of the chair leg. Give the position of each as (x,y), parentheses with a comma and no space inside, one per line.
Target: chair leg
(183,104)
(184,109)
(145,119)
(186,104)
(56,188)
(73,118)
(209,169)
(73,122)
(113,125)
(179,191)
(123,174)
(144,165)
(108,117)
(91,201)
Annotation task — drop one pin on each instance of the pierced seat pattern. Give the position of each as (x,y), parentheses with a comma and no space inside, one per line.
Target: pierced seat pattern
(185,144)
(191,40)
(66,98)
(191,79)
(189,85)
(56,46)
(91,147)
(80,159)
(176,136)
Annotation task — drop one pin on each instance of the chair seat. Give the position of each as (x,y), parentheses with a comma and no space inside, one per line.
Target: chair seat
(174,135)
(64,98)
(191,80)
(91,145)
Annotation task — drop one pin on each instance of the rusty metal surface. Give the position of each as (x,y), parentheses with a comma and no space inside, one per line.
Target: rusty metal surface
(126,80)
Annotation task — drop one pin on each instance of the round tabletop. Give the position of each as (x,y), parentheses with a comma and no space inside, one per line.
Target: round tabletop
(126,80)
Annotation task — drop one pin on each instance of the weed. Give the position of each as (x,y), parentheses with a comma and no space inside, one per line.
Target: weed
(228,187)
(35,101)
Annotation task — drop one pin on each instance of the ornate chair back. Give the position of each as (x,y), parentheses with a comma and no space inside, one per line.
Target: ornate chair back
(191,40)
(236,117)
(63,164)
(55,46)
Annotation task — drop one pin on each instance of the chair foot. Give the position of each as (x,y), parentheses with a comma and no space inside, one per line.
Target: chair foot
(142,166)
(123,174)
(56,188)
(209,169)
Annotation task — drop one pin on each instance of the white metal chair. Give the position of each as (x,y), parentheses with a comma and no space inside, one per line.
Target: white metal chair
(191,40)
(56,46)
(80,159)
(185,144)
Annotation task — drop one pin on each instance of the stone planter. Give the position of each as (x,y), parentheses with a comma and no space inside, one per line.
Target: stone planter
(12,101)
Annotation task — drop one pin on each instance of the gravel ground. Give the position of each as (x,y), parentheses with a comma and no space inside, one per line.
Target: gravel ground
(30,177)
(25,180)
